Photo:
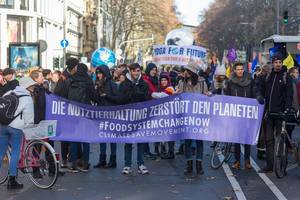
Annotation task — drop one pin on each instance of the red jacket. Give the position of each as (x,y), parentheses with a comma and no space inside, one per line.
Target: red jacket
(152,87)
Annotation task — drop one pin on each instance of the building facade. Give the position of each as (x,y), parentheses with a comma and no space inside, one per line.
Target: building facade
(42,20)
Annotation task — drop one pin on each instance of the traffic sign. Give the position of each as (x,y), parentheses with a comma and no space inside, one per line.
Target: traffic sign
(64,43)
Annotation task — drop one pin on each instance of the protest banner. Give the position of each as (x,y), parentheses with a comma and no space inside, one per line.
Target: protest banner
(184,116)
(178,55)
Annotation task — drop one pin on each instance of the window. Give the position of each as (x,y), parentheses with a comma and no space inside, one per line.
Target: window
(35,6)
(6,3)
(24,5)
(16,29)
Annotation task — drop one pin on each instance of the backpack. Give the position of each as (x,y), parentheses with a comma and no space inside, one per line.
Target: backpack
(8,106)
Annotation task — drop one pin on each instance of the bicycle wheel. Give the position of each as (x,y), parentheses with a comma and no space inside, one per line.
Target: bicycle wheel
(4,167)
(219,155)
(228,152)
(41,164)
(280,156)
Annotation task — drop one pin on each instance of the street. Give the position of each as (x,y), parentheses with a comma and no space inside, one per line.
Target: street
(165,181)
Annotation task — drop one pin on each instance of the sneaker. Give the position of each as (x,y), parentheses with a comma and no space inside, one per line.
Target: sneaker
(84,168)
(142,169)
(126,171)
(73,169)
(64,164)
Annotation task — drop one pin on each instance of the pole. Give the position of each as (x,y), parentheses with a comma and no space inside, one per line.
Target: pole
(64,33)
(277,18)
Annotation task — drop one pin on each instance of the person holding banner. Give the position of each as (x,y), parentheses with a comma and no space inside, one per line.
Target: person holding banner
(151,79)
(192,83)
(81,89)
(165,89)
(109,96)
(240,84)
(133,90)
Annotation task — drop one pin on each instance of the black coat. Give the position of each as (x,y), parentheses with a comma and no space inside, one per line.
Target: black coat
(62,86)
(81,89)
(244,87)
(39,101)
(109,88)
(277,90)
(132,92)
(11,85)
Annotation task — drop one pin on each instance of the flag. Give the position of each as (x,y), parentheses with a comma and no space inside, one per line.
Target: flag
(228,71)
(231,56)
(289,62)
(254,63)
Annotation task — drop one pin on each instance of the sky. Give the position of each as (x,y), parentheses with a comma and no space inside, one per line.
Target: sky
(190,10)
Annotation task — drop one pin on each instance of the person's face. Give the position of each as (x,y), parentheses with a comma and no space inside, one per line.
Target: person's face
(49,76)
(220,78)
(100,76)
(277,65)
(239,71)
(40,79)
(295,74)
(187,74)
(153,72)
(122,78)
(164,82)
(55,77)
(74,70)
(9,77)
(135,73)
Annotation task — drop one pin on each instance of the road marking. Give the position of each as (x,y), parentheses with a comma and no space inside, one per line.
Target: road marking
(266,179)
(234,183)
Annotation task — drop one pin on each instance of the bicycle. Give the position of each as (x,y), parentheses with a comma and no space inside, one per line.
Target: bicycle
(221,154)
(282,140)
(38,160)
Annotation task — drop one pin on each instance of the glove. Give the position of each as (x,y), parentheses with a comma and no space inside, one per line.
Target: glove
(260,100)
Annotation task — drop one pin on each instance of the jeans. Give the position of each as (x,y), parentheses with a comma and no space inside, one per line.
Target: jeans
(199,150)
(128,154)
(113,149)
(14,137)
(74,151)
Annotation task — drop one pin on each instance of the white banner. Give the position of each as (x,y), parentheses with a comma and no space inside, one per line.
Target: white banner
(178,55)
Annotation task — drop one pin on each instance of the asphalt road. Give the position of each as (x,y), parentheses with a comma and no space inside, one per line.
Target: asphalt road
(165,181)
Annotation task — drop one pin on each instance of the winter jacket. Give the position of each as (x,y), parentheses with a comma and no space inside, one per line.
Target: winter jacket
(108,87)
(200,87)
(25,107)
(244,87)
(10,85)
(134,91)
(295,103)
(81,88)
(152,87)
(277,90)
(62,87)
(39,101)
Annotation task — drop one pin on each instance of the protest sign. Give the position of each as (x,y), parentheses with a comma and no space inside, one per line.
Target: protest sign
(184,116)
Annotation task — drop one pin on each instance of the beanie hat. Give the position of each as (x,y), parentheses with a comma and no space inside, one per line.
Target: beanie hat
(192,66)
(71,63)
(149,67)
(277,56)
(221,70)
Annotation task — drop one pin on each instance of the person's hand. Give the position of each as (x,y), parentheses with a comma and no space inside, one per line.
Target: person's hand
(210,94)
(260,100)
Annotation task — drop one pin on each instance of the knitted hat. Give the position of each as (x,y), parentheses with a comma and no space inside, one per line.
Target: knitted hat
(149,67)
(71,63)
(221,70)
(192,66)
(277,56)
